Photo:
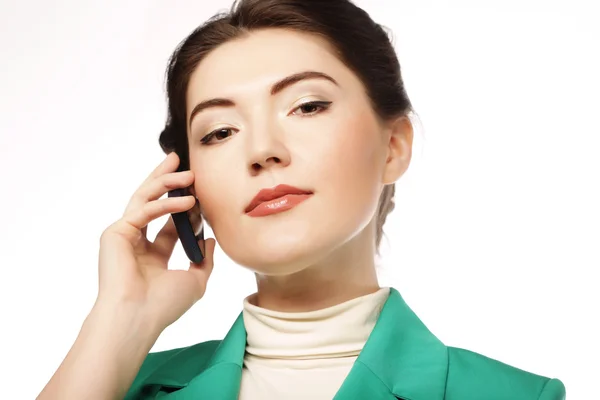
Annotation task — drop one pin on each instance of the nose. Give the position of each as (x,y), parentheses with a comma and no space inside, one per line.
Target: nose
(266,149)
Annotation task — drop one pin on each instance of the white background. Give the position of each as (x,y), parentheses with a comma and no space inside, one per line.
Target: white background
(495,242)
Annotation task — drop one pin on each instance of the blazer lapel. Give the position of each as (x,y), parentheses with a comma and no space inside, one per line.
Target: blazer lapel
(401,359)
(219,379)
(222,377)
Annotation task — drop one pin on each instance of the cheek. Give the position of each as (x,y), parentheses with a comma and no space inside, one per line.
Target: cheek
(214,185)
(351,180)
(352,163)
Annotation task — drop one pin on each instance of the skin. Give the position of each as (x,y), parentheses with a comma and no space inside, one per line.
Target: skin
(321,252)
(316,255)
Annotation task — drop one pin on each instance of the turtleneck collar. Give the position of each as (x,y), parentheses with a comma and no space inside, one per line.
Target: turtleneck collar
(333,332)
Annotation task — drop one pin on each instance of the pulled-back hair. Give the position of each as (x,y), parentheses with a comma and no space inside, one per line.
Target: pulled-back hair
(361,44)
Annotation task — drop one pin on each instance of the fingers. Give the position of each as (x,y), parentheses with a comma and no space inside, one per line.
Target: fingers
(141,209)
(156,188)
(168,164)
(167,237)
(141,217)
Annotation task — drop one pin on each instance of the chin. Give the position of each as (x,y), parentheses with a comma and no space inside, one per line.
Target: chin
(278,257)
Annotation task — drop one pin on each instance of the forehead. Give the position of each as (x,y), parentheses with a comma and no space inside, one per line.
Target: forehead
(255,61)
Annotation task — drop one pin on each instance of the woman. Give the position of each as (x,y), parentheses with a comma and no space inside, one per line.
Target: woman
(291,121)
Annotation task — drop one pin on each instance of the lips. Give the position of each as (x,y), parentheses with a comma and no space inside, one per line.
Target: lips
(274,193)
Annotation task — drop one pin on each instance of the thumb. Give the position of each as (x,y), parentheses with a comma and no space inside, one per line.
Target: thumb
(203,270)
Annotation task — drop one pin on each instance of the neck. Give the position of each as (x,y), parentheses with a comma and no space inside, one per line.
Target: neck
(346,273)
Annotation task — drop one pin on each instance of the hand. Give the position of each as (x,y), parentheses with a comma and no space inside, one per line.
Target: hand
(133,271)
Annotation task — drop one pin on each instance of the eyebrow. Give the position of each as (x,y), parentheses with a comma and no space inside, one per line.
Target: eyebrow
(276,88)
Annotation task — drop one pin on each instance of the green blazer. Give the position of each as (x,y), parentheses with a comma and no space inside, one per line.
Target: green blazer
(401,359)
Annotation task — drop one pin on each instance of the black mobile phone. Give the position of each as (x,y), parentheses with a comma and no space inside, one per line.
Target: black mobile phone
(188,235)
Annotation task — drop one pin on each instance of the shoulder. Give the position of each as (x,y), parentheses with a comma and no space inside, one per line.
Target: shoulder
(473,375)
(174,367)
(191,358)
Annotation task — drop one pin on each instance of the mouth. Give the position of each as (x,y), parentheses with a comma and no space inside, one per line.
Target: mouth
(275,200)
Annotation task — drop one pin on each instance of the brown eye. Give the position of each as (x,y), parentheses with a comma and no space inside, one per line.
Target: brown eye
(219,134)
(311,108)
(222,133)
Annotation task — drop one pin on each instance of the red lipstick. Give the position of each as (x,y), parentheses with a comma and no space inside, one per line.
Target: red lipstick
(275,200)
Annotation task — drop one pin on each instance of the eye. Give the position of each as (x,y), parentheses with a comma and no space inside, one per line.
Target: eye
(220,134)
(308,109)
(312,107)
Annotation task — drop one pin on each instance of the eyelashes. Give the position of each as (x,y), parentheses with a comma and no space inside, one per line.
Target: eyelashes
(320,105)
(206,139)
(314,108)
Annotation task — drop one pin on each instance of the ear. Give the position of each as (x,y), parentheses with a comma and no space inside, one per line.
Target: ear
(399,139)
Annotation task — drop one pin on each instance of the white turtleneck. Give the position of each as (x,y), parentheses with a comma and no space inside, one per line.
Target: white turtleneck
(305,355)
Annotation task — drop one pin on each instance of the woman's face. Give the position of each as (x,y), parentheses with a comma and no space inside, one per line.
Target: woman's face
(337,150)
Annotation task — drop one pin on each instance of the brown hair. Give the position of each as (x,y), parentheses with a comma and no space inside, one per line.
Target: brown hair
(361,44)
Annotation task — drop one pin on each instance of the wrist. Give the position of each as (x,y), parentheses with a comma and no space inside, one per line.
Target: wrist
(122,324)
(112,344)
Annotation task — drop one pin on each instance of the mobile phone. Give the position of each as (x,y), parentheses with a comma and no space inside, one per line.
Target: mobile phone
(185,229)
